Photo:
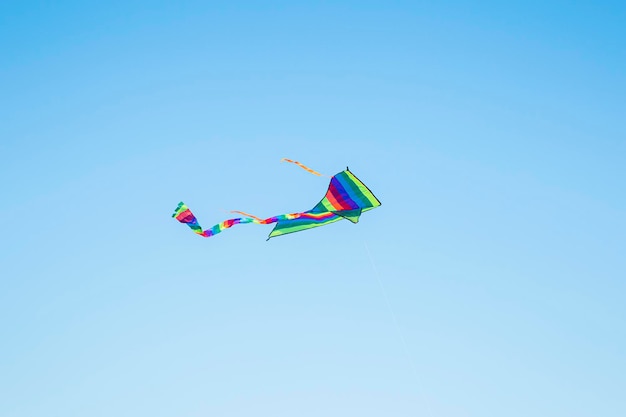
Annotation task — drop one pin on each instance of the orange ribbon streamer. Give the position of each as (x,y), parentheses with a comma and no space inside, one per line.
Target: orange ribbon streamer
(304,167)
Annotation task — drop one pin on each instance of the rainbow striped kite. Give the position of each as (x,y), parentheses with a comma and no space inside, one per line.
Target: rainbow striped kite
(347,197)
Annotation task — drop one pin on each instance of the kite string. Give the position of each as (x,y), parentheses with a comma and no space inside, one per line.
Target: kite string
(304,167)
(397,326)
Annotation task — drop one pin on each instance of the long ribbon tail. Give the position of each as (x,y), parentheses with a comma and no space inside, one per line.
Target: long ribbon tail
(274,219)
(184,215)
(304,167)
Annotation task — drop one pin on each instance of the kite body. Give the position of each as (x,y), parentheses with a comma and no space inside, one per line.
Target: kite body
(347,197)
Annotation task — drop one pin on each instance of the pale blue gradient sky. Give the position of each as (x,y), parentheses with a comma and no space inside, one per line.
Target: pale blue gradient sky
(492,133)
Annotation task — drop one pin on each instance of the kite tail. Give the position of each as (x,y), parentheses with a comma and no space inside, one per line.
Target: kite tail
(288,216)
(304,167)
(184,215)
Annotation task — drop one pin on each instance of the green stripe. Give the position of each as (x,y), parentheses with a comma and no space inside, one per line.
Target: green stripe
(283,228)
(326,203)
(362,190)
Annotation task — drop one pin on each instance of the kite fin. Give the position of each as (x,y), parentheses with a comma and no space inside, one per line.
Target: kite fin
(352,215)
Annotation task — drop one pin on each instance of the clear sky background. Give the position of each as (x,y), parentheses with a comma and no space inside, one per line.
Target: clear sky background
(492,132)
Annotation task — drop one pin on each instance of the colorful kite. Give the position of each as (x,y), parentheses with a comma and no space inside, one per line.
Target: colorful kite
(347,197)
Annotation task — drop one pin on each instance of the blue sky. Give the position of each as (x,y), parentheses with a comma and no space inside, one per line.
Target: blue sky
(492,133)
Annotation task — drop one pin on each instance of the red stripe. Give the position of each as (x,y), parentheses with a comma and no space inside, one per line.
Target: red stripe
(229,223)
(316,216)
(336,194)
(186,217)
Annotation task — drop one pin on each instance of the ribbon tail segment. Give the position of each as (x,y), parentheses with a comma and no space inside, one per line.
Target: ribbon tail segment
(304,167)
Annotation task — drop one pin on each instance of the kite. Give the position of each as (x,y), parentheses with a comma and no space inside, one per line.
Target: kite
(347,197)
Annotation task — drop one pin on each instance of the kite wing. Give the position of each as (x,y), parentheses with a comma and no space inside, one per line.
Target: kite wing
(347,197)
